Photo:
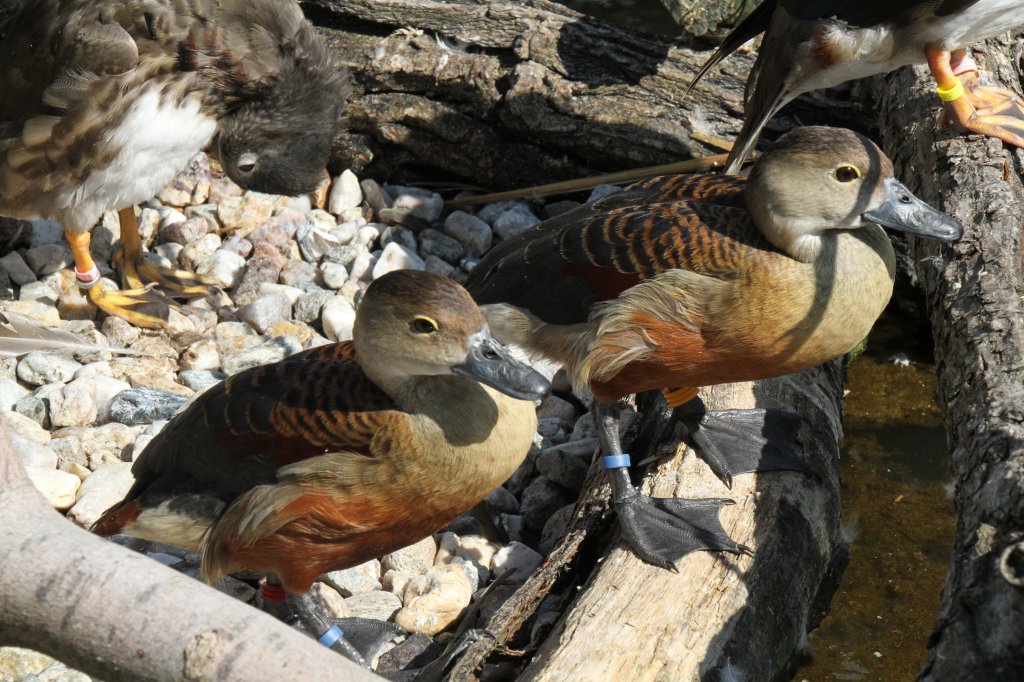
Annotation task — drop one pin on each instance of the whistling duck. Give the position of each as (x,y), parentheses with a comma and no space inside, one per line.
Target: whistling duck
(103,102)
(342,453)
(812,44)
(685,281)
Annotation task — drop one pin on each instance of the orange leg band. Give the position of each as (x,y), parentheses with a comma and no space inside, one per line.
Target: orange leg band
(679,396)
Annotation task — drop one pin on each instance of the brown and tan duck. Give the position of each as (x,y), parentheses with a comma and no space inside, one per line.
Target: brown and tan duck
(685,281)
(342,453)
(103,102)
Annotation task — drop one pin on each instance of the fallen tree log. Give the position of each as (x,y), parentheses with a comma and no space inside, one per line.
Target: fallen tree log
(977,311)
(507,94)
(117,615)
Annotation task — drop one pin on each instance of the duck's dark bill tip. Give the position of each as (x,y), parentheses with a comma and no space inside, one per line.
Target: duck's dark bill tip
(492,364)
(905,212)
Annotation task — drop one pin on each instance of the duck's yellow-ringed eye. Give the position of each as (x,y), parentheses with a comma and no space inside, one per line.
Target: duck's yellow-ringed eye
(846,172)
(421,324)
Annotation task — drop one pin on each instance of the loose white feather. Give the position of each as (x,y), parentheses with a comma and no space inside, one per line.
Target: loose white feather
(20,335)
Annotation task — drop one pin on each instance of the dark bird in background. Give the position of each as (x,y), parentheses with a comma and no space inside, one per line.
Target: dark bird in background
(812,44)
(691,280)
(342,453)
(104,102)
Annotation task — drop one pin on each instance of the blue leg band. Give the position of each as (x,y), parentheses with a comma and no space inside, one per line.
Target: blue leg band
(329,638)
(615,461)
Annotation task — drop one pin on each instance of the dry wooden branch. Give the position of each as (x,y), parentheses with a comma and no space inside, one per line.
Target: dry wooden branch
(118,615)
(974,294)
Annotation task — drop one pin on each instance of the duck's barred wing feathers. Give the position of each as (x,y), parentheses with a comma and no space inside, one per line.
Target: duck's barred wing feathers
(267,417)
(560,268)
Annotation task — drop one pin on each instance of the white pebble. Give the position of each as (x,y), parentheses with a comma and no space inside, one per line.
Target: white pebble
(396,257)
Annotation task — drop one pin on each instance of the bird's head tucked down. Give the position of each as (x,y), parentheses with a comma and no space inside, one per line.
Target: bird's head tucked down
(816,179)
(278,137)
(413,323)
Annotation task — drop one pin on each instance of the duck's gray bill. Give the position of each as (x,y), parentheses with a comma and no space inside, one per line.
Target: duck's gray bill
(491,363)
(904,212)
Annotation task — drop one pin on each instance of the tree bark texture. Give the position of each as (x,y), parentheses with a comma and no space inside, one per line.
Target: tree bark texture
(117,615)
(633,621)
(507,94)
(974,295)
(702,17)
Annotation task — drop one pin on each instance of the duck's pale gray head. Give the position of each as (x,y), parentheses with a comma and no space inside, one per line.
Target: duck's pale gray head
(816,179)
(412,323)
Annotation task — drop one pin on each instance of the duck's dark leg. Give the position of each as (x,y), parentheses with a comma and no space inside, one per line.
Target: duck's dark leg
(987,110)
(358,639)
(660,530)
(738,441)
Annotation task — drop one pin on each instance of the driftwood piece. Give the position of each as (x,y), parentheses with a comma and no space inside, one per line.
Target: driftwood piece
(974,295)
(507,94)
(117,615)
(701,17)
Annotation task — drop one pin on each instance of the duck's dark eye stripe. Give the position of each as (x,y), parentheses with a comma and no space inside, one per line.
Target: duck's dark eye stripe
(846,172)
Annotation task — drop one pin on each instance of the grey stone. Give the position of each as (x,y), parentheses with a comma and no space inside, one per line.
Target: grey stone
(144,405)
(237,245)
(514,221)
(414,559)
(200,379)
(48,258)
(344,255)
(105,487)
(271,350)
(94,448)
(501,500)
(314,243)
(434,243)
(355,580)
(397,233)
(308,307)
(345,193)
(74,404)
(334,275)
(258,271)
(515,562)
(34,291)
(420,203)
(225,268)
(379,605)
(10,393)
(345,233)
(266,311)
(338,319)
(105,389)
(375,196)
(17,269)
(34,408)
(201,355)
(190,186)
(31,453)
(297,272)
(490,212)
(13,422)
(363,266)
(601,191)
(540,500)
(120,332)
(555,407)
(555,527)
(40,367)
(435,265)
(367,235)
(185,231)
(561,465)
(511,525)
(395,257)
(472,232)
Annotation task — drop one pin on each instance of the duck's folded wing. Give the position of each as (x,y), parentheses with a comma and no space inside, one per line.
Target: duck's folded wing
(559,269)
(240,432)
(863,13)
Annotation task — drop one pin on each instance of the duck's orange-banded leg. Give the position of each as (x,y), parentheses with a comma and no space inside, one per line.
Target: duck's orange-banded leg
(86,273)
(677,397)
(136,271)
(995,114)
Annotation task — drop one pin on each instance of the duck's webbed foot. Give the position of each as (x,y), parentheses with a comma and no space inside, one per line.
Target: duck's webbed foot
(358,639)
(143,307)
(741,441)
(660,530)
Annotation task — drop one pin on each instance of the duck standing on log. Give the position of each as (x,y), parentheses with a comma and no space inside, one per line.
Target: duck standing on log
(104,102)
(342,453)
(812,44)
(686,281)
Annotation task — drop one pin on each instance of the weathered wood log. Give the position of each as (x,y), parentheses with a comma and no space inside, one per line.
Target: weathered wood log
(118,615)
(700,17)
(634,621)
(511,94)
(977,311)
